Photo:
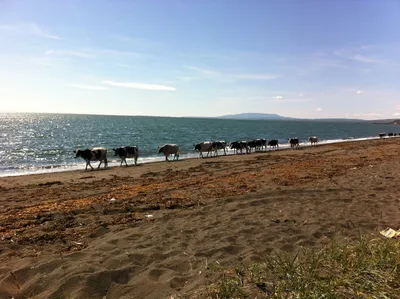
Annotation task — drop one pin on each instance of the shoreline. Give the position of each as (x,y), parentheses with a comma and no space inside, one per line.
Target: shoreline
(48,169)
(158,229)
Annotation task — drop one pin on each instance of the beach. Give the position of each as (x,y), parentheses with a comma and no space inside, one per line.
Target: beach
(156,230)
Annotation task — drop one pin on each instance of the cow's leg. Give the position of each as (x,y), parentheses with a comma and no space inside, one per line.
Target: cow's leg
(105,163)
(136,160)
(88,163)
(126,162)
(101,161)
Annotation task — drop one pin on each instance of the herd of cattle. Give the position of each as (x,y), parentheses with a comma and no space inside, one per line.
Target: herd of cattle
(209,147)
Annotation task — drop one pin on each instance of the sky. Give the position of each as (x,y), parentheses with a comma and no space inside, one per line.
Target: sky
(308,59)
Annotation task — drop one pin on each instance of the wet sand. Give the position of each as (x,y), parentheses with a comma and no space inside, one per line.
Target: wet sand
(157,230)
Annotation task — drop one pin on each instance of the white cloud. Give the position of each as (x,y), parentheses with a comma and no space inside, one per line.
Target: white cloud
(90,87)
(69,53)
(318,109)
(143,86)
(359,92)
(31,29)
(279,97)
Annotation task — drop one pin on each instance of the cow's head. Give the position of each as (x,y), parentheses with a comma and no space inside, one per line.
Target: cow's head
(77,153)
(160,149)
(197,147)
(117,151)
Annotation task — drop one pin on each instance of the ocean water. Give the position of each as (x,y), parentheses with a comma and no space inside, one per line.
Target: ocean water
(37,143)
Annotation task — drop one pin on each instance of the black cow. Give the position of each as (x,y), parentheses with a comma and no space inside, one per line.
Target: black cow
(219,145)
(263,143)
(294,142)
(254,144)
(93,154)
(381,135)
(390,134)
(273,143)
(239,146)
(127,152)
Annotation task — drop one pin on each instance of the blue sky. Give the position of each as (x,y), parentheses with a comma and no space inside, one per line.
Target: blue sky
(328,58)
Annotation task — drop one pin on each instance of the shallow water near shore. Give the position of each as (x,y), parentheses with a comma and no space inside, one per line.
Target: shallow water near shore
(39,143)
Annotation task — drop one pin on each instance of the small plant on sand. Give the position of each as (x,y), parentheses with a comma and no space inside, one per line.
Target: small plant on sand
(366,268)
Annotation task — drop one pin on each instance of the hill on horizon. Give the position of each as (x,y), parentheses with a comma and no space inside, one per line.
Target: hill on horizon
(274,116)
(257,116)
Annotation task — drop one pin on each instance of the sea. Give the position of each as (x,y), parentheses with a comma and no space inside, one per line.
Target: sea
(33,143)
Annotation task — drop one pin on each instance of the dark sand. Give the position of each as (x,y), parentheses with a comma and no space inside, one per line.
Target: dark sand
(62,237)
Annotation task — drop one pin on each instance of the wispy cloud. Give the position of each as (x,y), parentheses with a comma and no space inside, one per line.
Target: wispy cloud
(117,52)
(90,87)
(354,54)
(70,53)
(291,100)
(138,41)
(232,76)
(203,71)
(359,92)
(257,76)
(367,115)
(318,109)
(143,86)
(30,29)
(397,109)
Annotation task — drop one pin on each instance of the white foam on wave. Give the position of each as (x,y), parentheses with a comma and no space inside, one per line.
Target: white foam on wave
(151,159)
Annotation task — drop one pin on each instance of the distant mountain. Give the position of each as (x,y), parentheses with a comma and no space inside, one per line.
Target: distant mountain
(268,116)
(257,116)
(387,121)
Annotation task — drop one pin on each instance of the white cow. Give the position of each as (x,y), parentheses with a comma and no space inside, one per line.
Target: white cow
(169,149)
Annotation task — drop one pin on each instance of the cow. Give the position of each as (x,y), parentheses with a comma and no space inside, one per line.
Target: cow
(263,143)
(313,140)
(127,152)
(93,154)
(202,147)
(169,149)
(381,135)
(273,143)
(255,144)
(294,142)
(390,134)
(239,145)
(219,145)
